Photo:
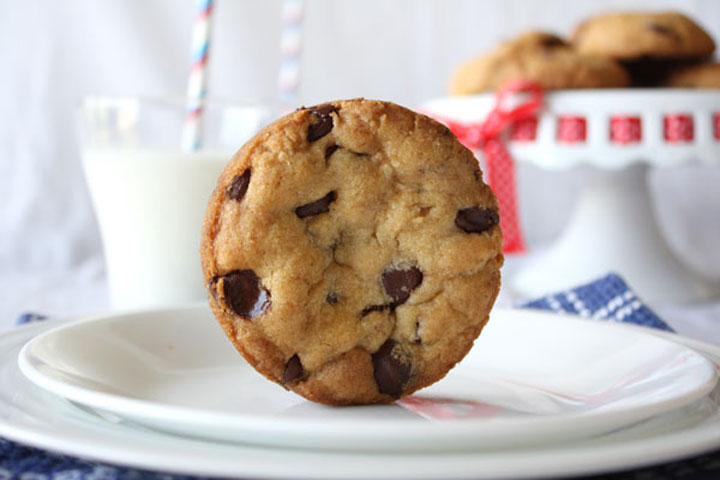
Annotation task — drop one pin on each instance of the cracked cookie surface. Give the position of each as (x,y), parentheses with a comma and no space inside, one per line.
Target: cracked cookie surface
(352,251)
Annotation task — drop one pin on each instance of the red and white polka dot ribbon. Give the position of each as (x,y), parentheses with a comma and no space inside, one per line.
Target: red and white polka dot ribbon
(521,121)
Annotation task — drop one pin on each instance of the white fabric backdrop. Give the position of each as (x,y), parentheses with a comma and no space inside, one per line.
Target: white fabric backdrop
(54,53)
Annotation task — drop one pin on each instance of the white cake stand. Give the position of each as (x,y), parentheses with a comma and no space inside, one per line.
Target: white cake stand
(613,227)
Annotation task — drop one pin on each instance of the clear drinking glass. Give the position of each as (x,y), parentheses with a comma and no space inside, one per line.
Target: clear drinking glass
(150,196)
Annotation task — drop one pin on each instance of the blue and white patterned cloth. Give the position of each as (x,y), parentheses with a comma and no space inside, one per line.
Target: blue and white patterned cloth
(29,318)
(607,298)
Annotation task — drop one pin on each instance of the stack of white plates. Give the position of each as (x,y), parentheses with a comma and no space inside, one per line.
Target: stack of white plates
(539,395)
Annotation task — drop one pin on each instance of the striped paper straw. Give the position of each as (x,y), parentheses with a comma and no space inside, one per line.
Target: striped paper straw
(290,49)
(196,92)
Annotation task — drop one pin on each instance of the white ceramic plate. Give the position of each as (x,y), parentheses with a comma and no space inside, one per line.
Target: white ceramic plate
(531,378)
(34,417)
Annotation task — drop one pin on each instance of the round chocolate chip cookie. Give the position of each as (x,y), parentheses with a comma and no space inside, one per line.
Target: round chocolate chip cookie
(649,45)
(352,251)
(541,57)
(634,35)
(703,75)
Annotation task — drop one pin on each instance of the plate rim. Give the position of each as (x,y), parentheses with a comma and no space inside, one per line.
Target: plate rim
(611,455)
(294,430)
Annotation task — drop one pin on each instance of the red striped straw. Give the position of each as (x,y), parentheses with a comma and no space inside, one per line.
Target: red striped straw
(290,50)
(196,92)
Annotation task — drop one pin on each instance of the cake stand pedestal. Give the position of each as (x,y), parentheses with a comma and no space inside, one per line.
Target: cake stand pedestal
(613,228)
(621,133)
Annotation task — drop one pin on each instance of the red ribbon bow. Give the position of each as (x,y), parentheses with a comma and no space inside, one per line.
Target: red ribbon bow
(499,165)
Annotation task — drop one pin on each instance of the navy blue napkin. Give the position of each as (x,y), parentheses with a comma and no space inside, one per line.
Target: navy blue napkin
(607,298)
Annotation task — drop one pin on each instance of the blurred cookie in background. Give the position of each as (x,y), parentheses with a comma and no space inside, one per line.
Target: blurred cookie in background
(541,57)
(704,75)
(649,45)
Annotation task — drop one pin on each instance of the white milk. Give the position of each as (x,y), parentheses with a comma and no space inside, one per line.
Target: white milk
(150,206)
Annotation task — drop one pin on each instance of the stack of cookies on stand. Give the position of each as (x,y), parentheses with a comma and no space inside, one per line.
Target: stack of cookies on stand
(615,50)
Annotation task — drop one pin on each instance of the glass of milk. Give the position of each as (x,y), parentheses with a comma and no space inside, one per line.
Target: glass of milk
(150,196)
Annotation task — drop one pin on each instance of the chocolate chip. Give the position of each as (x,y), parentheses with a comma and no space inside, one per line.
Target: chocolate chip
(319,129)
(477,174)
(323,109)
(476,219)
(321,205)
(324,122)
(360,154)
(293,370)
(663,30)
(330,150)
(332,298)
(390,372)
(245,294)
(398,284)
(239,186)
(373,308)
(549,41)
